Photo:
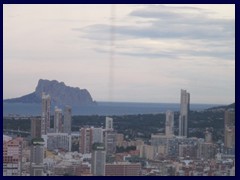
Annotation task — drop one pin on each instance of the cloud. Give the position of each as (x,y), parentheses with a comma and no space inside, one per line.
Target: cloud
(185,24)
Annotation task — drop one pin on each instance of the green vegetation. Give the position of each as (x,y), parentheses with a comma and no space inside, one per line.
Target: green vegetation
(140,126)
(122,149)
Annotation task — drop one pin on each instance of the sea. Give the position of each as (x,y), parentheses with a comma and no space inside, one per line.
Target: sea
(103,108)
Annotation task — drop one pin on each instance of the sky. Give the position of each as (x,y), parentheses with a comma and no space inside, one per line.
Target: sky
(128,53)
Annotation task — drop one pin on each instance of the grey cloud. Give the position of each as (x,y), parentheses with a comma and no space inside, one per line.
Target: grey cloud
(165,11)
(185,28)
(141,54)
(172,23)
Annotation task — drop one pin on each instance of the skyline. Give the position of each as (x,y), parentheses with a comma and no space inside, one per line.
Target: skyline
(159,49)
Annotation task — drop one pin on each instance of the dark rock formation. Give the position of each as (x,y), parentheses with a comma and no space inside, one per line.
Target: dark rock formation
(60,94)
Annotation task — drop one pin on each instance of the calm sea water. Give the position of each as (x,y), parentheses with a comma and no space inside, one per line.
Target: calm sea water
(104,108)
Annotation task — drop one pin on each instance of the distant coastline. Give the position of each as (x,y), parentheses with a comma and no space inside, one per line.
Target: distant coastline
(103,108)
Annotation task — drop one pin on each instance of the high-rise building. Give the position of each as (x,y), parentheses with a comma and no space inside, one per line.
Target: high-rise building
(58,124)
(12,157)
(89,136)
(110,141)
(37,155)
(98,159)
(109,137)
(109,123)
(229,129)
(206,150)
(184,109)
(46,111)
(169,124)
(35,128)
(229,136)
(67,119)
(97,135)
(229,118)
(85,140)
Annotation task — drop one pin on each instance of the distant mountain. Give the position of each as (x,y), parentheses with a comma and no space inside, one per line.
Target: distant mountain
(60,94)
(230,106)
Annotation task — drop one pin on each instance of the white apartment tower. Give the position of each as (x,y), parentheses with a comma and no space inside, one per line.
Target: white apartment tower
(46,111)
(67,119)
(184,109)
(169,124)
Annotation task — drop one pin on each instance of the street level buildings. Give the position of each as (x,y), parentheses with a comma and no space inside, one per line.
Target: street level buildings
(123,169)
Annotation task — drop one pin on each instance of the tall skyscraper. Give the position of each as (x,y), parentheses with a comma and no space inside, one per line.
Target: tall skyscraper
(229,129)
(229,118)
(184,109)
(98,159)
(67,119)
(110,137)
(37,149)
(36,159)
(46,111)
(109,123)
(35,128)
(58,124)
(169,124)
(85,140)
(110,141)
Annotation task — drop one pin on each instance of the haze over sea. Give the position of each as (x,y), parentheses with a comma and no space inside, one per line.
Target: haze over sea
(103,108)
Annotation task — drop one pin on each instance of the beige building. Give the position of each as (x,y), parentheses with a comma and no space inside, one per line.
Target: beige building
(229,129)
(151,152)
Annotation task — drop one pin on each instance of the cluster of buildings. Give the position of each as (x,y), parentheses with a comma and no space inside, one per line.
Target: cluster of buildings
(48,151)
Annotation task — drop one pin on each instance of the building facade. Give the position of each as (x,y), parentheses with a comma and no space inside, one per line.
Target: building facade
(58,141)
(169,123)
(46,111)
(184,110)
(12,157)
(110,141)
(37,155)
(67,119)
(109,123)
(229,129)
(35,128)
(123,169)
(58,122)
(98,159)
(85,140)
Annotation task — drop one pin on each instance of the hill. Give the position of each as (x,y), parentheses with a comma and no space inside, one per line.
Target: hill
(230,106)
(60,94)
